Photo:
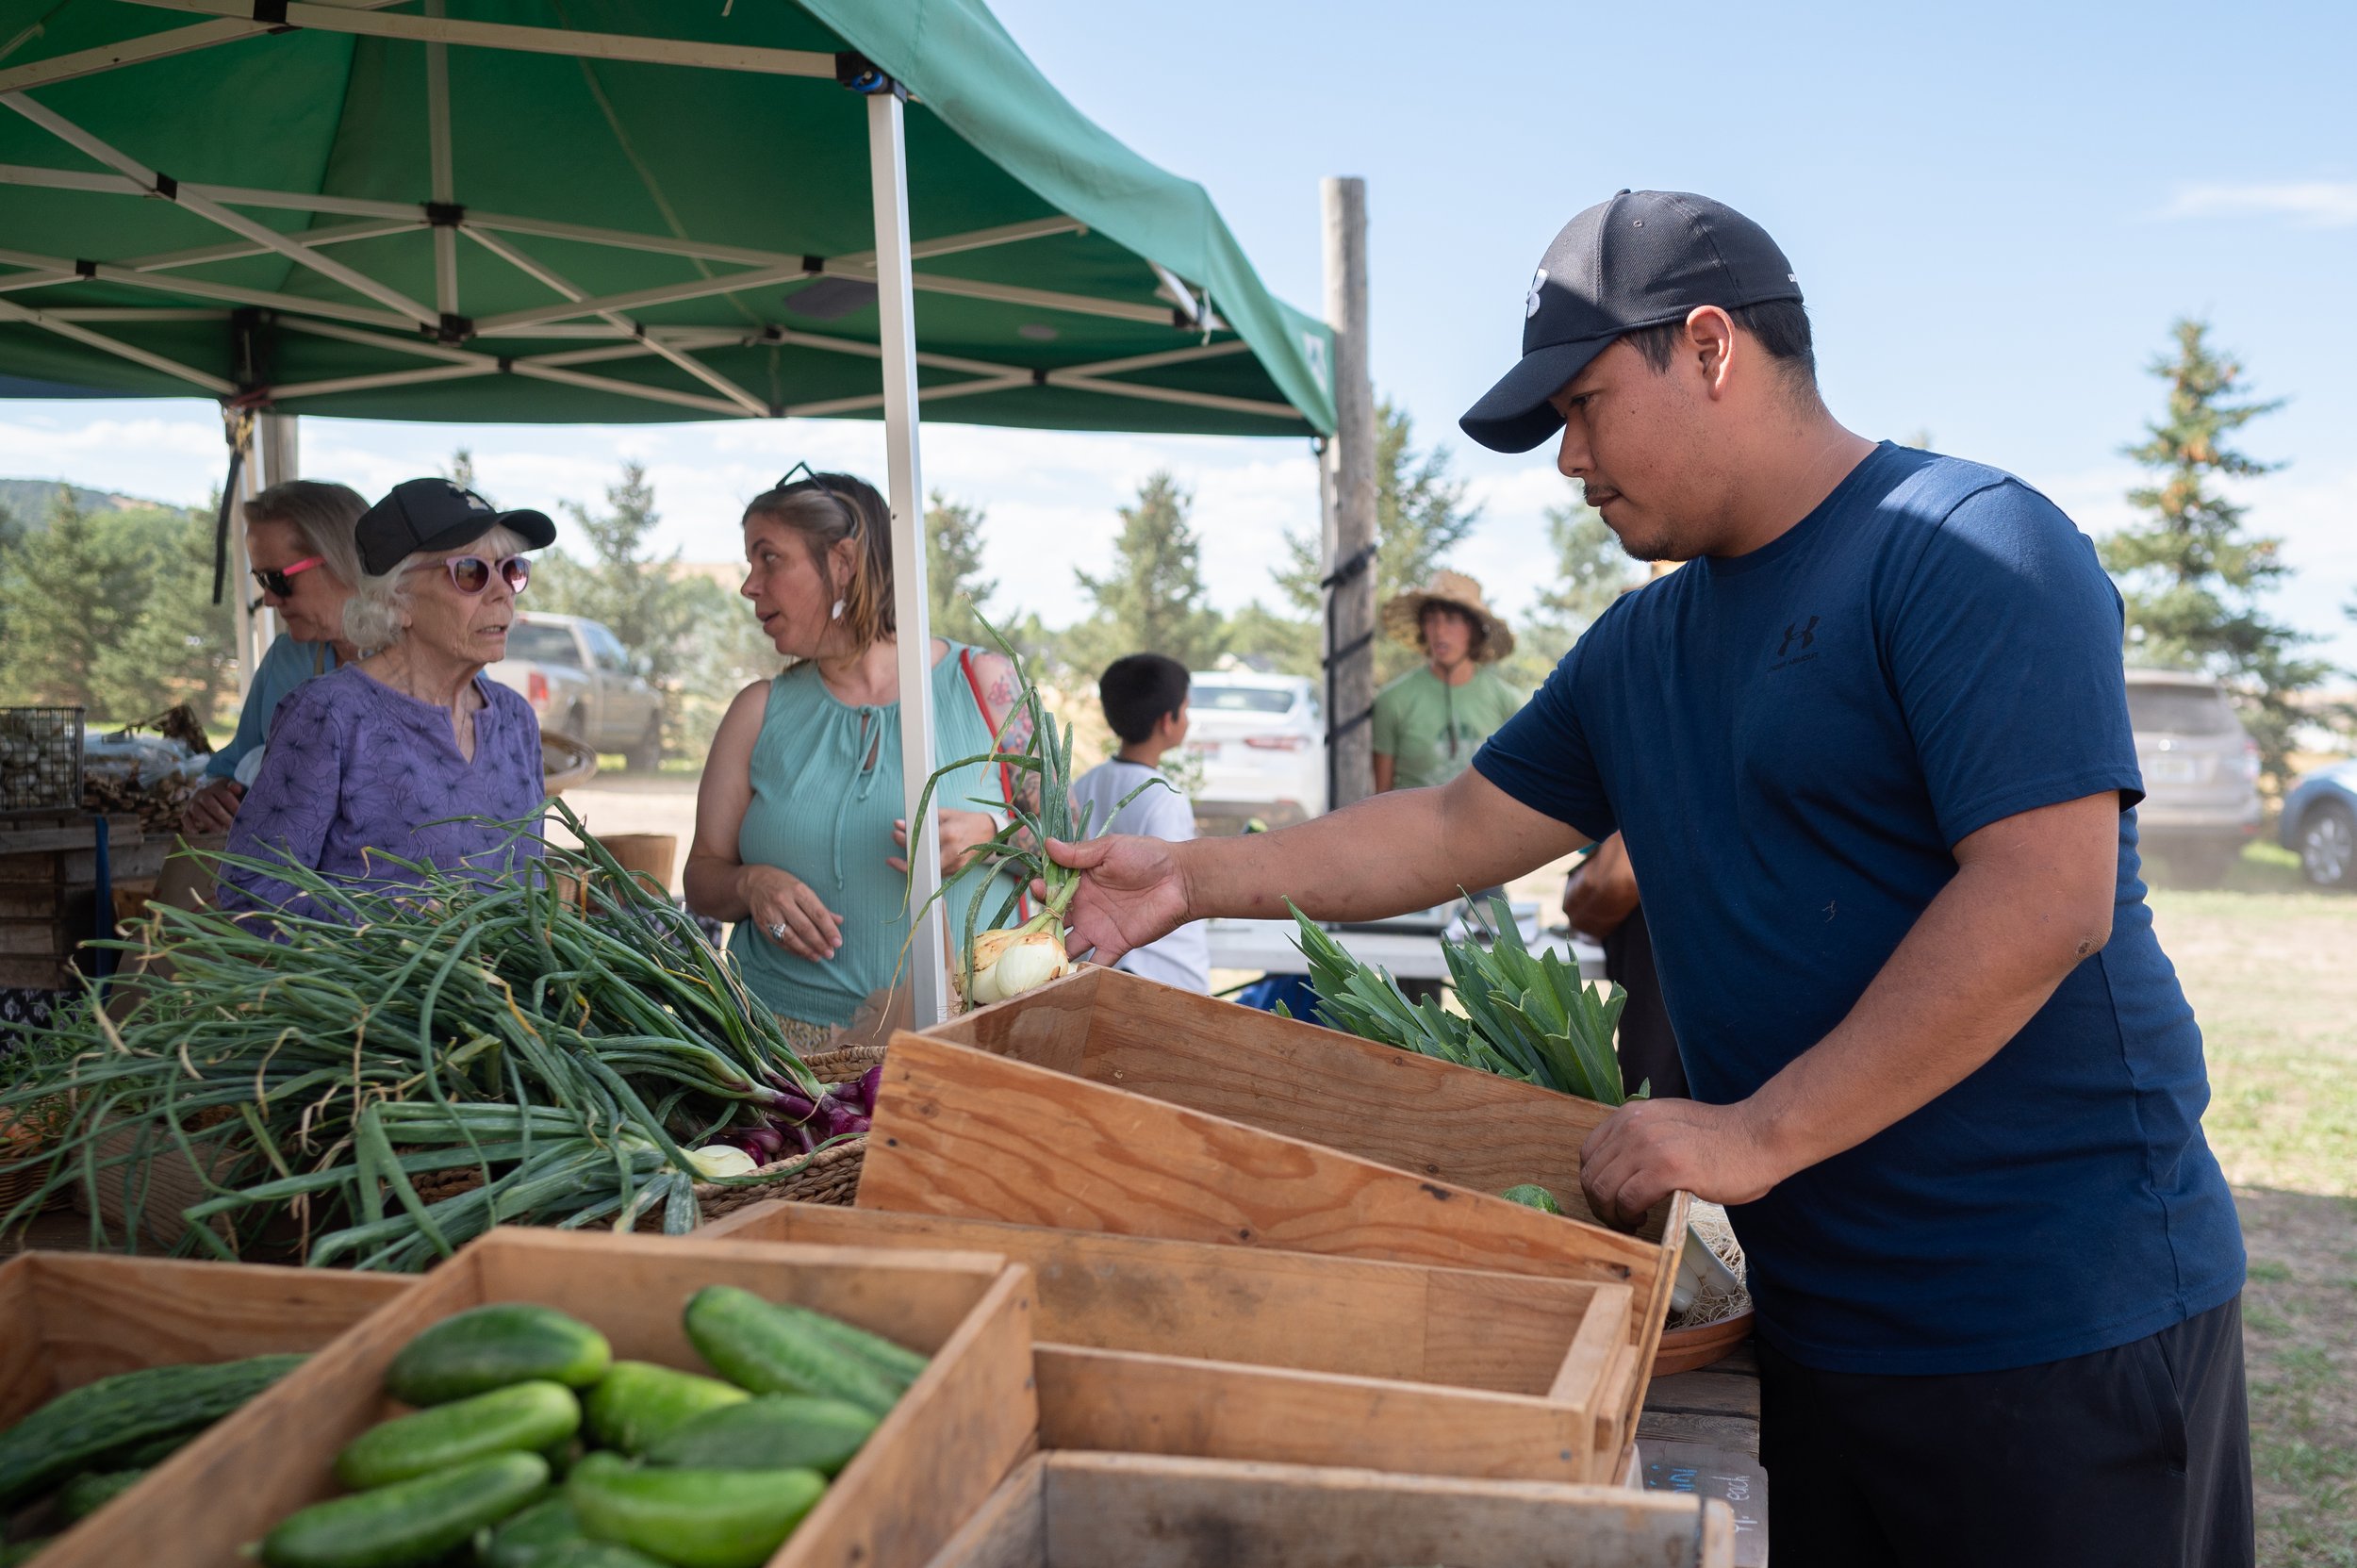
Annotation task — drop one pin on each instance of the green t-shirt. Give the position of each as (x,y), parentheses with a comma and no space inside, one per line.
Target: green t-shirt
(1430,728)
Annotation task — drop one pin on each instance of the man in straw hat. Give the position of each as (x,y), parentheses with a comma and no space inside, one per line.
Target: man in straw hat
(1429,721)
(1870,748)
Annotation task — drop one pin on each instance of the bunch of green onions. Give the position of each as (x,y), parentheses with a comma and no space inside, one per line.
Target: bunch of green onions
(996,961)
(311,1068)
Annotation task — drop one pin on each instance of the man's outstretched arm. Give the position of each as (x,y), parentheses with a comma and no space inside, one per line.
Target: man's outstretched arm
(1405,849)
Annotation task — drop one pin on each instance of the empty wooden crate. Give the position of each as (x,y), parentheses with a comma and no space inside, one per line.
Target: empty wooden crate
(70,1318)
(1148,1345)
(1121,1511)
(951,1438)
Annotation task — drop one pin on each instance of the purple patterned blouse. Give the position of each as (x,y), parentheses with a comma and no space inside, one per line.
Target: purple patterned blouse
(354,766)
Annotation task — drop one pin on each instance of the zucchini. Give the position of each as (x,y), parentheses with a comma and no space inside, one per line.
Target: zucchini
(638,1403)
(409,1522)
(92,1490)
(772,1349)
(777,1432)
(692,1518)
(86,1427)
(528,1537)
(532,1415)
(488,1347)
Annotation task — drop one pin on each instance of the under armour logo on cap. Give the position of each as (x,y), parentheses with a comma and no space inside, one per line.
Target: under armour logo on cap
(1530,303)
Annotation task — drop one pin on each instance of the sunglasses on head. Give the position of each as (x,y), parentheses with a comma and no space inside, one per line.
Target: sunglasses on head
(275,580)
(811,476)
(472,574)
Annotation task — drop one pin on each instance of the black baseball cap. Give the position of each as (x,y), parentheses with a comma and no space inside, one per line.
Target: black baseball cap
(1643,259)
(434,514)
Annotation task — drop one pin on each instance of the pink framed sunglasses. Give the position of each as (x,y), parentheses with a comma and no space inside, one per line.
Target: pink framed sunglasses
(472,574)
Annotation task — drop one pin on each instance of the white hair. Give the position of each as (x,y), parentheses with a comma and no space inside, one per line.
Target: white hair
(372,616)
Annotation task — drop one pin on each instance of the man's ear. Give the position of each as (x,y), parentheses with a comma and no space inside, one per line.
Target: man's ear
(1711,347)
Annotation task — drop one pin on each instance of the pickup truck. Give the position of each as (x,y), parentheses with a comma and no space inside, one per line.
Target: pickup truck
(581,681)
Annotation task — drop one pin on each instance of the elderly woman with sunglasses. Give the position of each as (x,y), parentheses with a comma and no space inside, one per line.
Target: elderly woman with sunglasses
(370,765)
(298,536)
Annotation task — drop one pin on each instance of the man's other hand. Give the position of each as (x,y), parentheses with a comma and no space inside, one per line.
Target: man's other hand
(1651,1147)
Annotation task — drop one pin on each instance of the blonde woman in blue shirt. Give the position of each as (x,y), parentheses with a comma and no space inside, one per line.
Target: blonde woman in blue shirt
(799,826)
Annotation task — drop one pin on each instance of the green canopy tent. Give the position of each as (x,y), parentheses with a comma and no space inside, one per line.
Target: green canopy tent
(611,210)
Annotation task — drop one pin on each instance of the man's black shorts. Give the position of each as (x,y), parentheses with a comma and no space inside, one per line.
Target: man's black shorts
(2137,1456)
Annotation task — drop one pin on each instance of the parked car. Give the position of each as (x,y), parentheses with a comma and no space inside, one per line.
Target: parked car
(2319,825)
(1260,742)
(581,681)
(2200,774)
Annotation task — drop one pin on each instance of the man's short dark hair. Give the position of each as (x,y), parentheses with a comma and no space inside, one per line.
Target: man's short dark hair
(1139,690)
(1779,326)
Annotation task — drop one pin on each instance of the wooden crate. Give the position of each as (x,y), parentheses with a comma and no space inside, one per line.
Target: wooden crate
(1152,1346)
(48,892)
(953,1437)
(1126,1510)
(70,1318)
(966,1132)
(1461,1126)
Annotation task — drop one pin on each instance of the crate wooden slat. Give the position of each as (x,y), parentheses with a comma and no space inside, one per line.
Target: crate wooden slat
(953,1437)
(1463,1126)
(1122,1511)
(1148,1346)
(70,1318)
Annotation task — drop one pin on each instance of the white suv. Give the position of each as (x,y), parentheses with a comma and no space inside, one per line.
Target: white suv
(2200,774)
(1261,741)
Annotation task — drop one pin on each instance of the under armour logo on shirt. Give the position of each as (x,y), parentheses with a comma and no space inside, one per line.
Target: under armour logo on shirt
(1807,634)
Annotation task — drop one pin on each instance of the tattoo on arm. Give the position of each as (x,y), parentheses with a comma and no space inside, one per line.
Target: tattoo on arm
(1003,696)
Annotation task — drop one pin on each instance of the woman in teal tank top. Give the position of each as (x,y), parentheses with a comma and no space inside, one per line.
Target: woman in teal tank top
(797,820)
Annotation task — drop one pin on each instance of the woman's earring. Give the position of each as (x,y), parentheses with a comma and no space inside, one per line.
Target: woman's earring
(836,614)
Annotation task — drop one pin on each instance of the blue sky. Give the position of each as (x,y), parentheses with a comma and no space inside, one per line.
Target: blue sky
(1996,211)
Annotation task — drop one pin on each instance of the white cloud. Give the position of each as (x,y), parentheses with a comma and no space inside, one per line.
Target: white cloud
(2312,204)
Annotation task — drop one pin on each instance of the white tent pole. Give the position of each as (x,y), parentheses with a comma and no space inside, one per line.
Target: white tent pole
(276,447)
(887,174)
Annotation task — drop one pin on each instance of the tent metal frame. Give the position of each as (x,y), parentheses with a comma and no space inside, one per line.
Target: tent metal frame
(386,317)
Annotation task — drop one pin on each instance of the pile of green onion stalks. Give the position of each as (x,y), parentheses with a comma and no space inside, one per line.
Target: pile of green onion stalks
(566,1034)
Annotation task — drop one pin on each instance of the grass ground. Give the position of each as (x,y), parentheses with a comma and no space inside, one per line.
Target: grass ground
(2272,973)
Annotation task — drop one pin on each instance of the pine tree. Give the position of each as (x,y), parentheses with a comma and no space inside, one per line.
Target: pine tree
(1591,572)
(1153,601)
(65,604)
(180,647)
(954,586)
(1420,515)
(2191,574)
(639,595)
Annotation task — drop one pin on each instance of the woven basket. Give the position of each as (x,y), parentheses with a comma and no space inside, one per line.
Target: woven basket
(829,1176)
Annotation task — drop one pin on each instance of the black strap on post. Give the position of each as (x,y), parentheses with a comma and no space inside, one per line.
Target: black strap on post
(221,523)
(1336,727)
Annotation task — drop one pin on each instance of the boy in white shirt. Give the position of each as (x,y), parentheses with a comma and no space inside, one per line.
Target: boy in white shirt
(1146,701)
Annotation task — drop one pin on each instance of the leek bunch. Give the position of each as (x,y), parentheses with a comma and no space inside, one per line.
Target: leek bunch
(1529,1018)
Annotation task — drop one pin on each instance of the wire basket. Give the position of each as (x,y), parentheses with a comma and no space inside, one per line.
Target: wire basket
(41,760)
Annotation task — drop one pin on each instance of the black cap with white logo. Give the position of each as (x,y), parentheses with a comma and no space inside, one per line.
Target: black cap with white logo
(434,514)
(1643,259)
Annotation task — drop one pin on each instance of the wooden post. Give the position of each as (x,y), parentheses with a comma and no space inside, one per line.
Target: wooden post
(1350,522)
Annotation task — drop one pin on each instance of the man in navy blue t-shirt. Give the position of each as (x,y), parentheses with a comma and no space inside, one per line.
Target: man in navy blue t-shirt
(1871,750)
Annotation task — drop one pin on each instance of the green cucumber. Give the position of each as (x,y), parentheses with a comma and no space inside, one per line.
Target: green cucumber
(92,1490)
(1530,1195)
(777,1432)
(488,1348)
(772,1349)
(520,1416)
(523,1540)
(147,1456)
(594,1554)
(86,1427)
(409,1522)
(638,1403)
(897,1363)
(692,1518)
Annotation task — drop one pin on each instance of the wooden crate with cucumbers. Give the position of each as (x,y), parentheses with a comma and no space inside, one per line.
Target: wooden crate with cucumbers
(111,1366)
(1147,1345)
(598,1401)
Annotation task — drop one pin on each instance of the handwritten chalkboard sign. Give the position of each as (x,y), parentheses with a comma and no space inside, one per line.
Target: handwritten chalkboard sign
(1735,1479)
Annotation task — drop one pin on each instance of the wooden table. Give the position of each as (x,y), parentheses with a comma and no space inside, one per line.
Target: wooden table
(1699,1431)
